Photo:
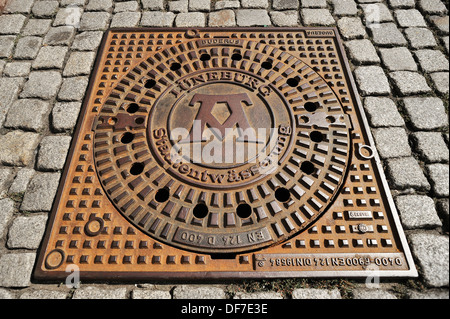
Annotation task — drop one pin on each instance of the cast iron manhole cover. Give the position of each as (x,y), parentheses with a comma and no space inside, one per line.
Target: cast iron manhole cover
(223,153)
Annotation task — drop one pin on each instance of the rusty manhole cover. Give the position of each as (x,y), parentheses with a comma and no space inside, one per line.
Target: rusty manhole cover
(223,153)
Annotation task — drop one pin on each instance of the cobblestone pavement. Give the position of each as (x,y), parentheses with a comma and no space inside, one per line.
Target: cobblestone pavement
(399,57)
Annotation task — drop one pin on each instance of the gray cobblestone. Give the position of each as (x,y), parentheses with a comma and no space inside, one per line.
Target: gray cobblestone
(190,19)
(42,84)
(37,27)
(443,210)
(125,19)
(27,47)
(93,21)
(20,183)
(6,212)
(375,13)
(441,23)
(441,81)
(405,173)
(27,231)
(79,63)
(150,294)
(16,269)
(59,36)
(252,17)
(65,3)
(398,59)
(372,80)
(73,89)
(225,4)
(53,152)
(426,118)
(420,38)
(402,3)
(44,294)
(431,146)
(284,18)
(28,114)
(6,174)
(40,192)
(431,250)
(6,45)
(198,292)
(18,147)
(410,18)
(11,23)
(179,6)
(199,5)
(314,3)
(99,293)
(429,294)
(255,4)
(392,142)
(126,6)
(157,19)
(362,293)
(439,176)
(50,57)
(9,87)
(351,28)
(87,41)
(153,4)
(313,293)
(222,18)
(6,294)
(409,83)
(417,211)
(69,16)
(362,52)
(432,60)
(387,34)
(382,112)
(44,8)
(321,17)
(13,69)
(344,7)
(432,6)
(258,295)
(99,5)
(285,4)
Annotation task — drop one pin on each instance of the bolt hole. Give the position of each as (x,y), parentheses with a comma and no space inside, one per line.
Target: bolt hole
(307,167)
(244,210)
(162,195)
(316,136)
(137,168)
(304,119)
(127,138)
(282,194)
(205,57)
(267,65)
(293,81)
(139,120)
(149,84)
(310,106)
(236,57)
(330,119)
(133,108)
(112,120)
(175,66)
(200,211)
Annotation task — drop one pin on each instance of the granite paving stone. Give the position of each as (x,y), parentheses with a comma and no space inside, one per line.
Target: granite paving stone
(432,60)
(285,4)
(375,13)
(382,112)
(87,41)
(439,177)
(53,152)
(228,4)
(190,19)
(2,63)
(417,211)
(351,28)
(255,4)
(37,27)
(99,5)
(69,16)
(441,23)
(314,3)
(387,34)
(16,269)
(126,6)
(198,292)
(59,36)
(431,146)
(410,18)
(429,294)
(99,293)
(252,17)
(409,83)
(94,21)
(432,6)
(6,45)
(362,52)
(372,80)
(420,38)
(258,295)
(42,84)
(20,183)
(44,294)
(44,8)
(443,210)
(222,18)
(364,293)
(426,113)
(199,5)
(440,81)
(405,173)
(7,294)
(150,294)
(40,192)
(11,23)
(179,6)
(284,18)
(157,19)
(344,7)
(431,251)
(21,68)
(320,17)
(6,175)
(445,43)
(314,293)
(27,47)
(26,231)
(19,6)
(50,57)
(153,4)
(6,213)
(9,87)
(125,19)
(79,63)
(392,142)
(78,3)
(28,114)
(18,147)
(398,59)
(401,3)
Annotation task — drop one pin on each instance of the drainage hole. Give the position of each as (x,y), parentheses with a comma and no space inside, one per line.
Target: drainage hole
(127,138)
(162,195)
(149,84)
(137,168)
(244,210)
(293,81)
(200,211)
(310,106)
(282,194)
(307,167)
(266,65)
(316,136)
(236,57)
(205,57)
(175,66)
(133,108)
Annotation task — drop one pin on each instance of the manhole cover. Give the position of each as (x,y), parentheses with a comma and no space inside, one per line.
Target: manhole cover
(206,153)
